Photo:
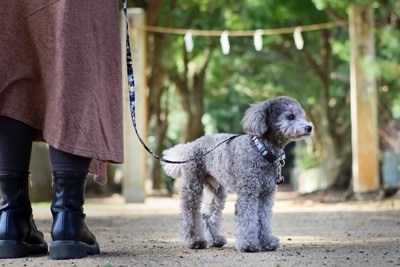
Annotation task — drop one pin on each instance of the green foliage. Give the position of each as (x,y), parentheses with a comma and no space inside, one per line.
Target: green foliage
(389,48)
(341,5)
(305,158)
(396,108)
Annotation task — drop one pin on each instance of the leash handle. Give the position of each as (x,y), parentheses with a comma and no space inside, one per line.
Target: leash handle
(131,83)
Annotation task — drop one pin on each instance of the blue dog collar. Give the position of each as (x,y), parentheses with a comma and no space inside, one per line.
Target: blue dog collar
(268,155)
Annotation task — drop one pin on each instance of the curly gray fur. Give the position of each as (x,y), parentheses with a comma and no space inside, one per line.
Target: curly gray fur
(238,166)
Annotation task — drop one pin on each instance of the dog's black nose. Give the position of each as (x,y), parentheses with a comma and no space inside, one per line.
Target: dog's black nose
(309,128)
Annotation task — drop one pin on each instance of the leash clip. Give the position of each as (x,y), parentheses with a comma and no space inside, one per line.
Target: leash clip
(280,179)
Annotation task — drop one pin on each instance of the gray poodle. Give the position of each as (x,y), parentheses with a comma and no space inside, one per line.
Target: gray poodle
(248,164)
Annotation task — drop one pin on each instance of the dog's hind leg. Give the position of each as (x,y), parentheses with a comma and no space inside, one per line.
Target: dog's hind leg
(268,242)
(191,222)
(213,204)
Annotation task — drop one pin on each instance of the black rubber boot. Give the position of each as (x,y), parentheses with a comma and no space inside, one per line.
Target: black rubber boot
(72,239)
(19,236)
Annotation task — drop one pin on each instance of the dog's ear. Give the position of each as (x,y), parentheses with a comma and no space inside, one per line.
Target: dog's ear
(254,121)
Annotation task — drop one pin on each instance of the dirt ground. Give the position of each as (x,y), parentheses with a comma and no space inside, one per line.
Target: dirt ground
(311,234)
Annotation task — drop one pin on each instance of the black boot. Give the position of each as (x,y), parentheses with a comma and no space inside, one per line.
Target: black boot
(19,236)
(71,237)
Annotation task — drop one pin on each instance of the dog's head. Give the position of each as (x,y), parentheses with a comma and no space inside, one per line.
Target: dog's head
(281,118)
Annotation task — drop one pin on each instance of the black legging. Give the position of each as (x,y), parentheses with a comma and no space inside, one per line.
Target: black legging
(16,146)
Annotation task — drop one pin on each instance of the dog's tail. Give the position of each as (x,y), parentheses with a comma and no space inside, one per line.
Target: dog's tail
(176,153)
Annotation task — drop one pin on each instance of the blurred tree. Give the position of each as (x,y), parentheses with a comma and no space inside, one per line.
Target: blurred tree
(180,69)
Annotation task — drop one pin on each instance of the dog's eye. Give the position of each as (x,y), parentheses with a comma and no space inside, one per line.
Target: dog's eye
(290,117)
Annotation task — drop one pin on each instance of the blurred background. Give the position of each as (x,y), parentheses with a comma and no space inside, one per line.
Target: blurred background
(202,84)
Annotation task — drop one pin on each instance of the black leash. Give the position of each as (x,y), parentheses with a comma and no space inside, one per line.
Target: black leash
(131,83)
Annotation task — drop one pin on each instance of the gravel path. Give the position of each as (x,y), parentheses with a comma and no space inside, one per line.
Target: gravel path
(311,234)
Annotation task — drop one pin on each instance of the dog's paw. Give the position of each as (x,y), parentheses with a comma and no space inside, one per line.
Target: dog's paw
(198,243)
(218,241)
(271,244)
(248,247)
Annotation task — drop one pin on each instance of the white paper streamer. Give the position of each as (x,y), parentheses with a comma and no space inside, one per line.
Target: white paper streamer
(258,40)
(188,41)
(298,38)
(225,42)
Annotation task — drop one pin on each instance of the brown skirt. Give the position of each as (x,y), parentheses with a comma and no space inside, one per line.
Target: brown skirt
(60,72)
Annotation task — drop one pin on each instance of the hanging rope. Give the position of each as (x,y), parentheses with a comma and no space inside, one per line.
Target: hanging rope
(305,28)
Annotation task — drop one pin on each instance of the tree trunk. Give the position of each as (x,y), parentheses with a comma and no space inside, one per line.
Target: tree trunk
(191,99)
(191,89)
(160,133)
(156,112)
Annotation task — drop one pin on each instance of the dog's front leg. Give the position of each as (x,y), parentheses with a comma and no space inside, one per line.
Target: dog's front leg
(247,223)
(268,242)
